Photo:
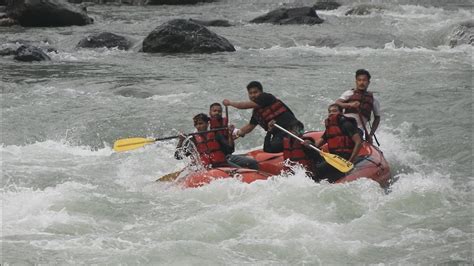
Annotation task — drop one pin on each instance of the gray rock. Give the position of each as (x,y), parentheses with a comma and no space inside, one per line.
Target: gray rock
(298,15)
(30,53)
(7,51)
(46,13)
(105,39)
(177,2)
(462,34)
(184,36)
(212,23)
(362,10)
(326,5)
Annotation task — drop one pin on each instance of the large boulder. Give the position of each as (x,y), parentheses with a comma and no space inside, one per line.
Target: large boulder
(184,36)
(363,9)
(105,39)
(28,53)
(462,34)
(46,13)
(176,2)
(212,23)
(326,5)
(284,16)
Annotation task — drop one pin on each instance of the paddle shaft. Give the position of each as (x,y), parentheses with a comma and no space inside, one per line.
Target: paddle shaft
(191,134)
(366,131)
(296,137)
(363,124)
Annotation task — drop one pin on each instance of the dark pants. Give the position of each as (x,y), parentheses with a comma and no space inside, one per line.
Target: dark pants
(242,161)
(273,141)
(324,170)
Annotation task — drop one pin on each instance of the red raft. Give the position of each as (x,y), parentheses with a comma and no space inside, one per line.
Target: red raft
(371,165)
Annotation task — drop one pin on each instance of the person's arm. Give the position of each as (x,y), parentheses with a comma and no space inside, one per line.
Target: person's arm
(345,105)
(358,144)
(230,138)
(240,105)
(177,153)
(342,101)
(226,147)
(375,125)
(352,131)
(245,130)
(320,142)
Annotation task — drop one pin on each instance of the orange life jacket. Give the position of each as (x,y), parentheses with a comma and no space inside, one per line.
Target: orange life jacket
(218,122)
(209,149)
(338,142)
(268,113)
(293,150)
(366,99)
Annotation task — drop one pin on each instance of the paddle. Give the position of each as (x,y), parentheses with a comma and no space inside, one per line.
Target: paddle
(337,162)
(366,131)
(135,143)
(169,177)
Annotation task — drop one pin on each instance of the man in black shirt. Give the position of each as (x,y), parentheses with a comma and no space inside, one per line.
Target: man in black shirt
(267,109)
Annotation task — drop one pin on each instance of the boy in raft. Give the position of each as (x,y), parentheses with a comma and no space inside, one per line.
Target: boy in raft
(343,139)
(297,152)
(212,147)
(216,119)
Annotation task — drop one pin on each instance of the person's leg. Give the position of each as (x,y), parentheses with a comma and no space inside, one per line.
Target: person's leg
(273,142)
(326,171)
(242,161)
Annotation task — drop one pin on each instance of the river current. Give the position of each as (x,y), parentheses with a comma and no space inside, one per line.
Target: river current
(68,198)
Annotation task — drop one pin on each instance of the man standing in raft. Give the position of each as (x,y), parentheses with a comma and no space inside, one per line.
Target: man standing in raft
(360,104)
(266,108)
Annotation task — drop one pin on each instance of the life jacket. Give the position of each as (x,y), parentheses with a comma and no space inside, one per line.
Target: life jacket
(268,113)
(366,99)
(294,151)
(218,122)
(337,140)
(209,149)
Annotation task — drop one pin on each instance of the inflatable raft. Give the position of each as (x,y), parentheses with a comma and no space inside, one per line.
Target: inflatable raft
(370,164)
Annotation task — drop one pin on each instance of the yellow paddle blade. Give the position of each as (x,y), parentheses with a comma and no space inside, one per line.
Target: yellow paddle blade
(169,177)
(337,162)
(131,143)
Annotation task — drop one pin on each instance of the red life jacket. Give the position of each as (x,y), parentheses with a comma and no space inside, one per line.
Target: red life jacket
(218,122)
(366,99)
(293,150)
(268,113)
(338,142)
(209,149)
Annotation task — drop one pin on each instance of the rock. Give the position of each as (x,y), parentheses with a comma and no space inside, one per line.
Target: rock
(177,2)
(6,22)
(46,13)
(362,10)
(116,2)
(184,36)
(134,93)
(212,23)
(462,34)
(105,39)
(7,51)
(298,15)
(326,5)
(30,53)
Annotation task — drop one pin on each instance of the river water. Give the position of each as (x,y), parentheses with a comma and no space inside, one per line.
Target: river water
(67,198)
